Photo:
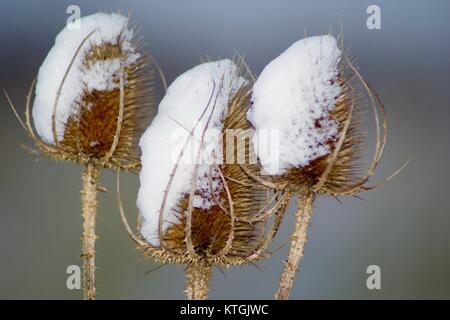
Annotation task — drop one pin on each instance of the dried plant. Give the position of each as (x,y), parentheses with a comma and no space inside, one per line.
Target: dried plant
(93,104)
(99,126)
(336,174)
(337,171)
(236,228)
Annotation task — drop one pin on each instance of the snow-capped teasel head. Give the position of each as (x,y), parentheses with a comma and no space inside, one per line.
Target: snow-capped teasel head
(196,100)
(93,98)
(84,74)
(200,213)
(314,96)
(295,94)
(93,93)
(203,214)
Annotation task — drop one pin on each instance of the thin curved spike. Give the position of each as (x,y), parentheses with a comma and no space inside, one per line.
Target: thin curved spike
(27,110)
(323,178)
(224,251)
(58,92)
(256,254)
(275,227)
(285,196)
(28,120)
(156,268)
(15,111)
(399,169)
(188,232)
(129,166)
(78,138)
(27,125)
(248,185)
(172,174)
(29,128)
(260,216)
(119,118)
(212,191)
(381,139)
(160,72)
(27,148)
(381,184)
(245,65)
(263,182)
(132,235)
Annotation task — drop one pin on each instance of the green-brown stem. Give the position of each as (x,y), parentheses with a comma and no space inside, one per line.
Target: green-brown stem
(298,240)
(89,208)
(198,275)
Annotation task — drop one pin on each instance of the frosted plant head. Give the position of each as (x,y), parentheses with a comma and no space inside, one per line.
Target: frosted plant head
(311,95)
(93,94)
(93,98)
(192,211)
(296,93)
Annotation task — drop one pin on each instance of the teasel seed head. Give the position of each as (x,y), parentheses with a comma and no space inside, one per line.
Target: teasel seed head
(93,94)
(193,210)
(314,96)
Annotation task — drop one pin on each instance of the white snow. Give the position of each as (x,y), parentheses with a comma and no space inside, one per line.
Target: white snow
(294,94)
(102,75)
(178,113)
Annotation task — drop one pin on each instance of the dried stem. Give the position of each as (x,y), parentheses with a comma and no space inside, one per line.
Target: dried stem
(303,218)
(197,276)
(89,202)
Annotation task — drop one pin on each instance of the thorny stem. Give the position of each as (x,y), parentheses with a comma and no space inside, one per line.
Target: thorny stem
(298,240)
(198,275)
(89,203)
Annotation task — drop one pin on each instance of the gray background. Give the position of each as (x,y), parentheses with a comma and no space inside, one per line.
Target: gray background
(402,227)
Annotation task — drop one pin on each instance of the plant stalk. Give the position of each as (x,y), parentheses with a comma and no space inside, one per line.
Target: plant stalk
(89,209)
(198,275)
(298,240)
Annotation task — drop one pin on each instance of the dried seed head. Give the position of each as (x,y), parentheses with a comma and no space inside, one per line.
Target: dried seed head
(93,93)
(295,94)
(192,205)
(311,95)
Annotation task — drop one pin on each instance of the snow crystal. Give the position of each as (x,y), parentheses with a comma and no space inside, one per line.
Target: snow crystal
(205,89)
(294,94)
(101,75)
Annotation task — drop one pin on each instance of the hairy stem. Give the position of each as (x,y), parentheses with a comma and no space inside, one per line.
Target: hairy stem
(89,203)
(198,275)
(298,240)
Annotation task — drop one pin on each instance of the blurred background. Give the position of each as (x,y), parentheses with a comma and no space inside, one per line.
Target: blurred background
(402,227)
